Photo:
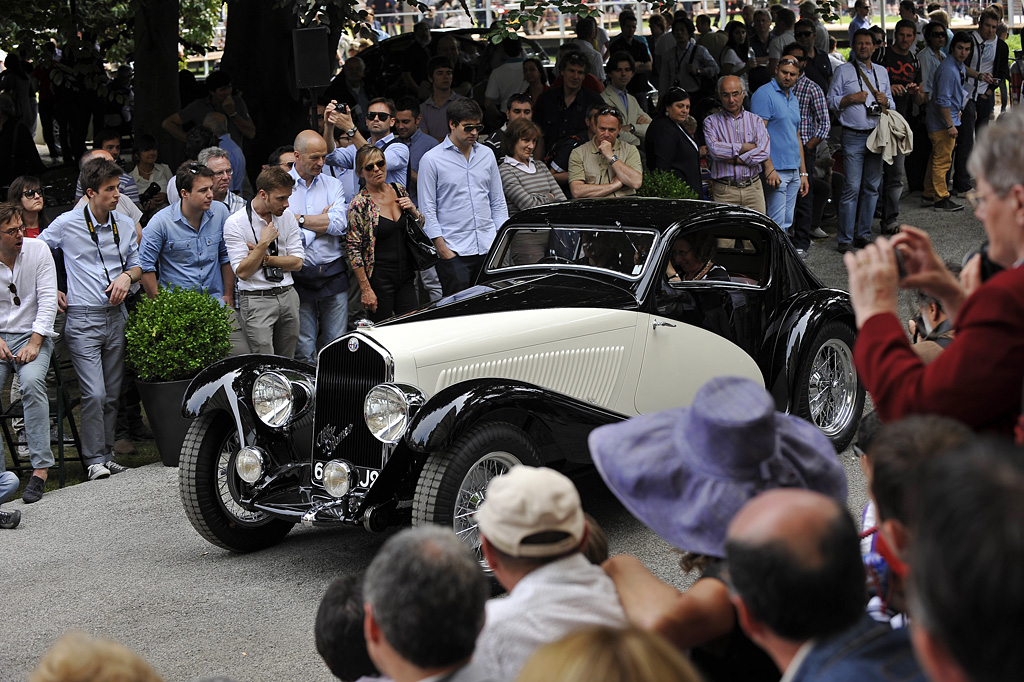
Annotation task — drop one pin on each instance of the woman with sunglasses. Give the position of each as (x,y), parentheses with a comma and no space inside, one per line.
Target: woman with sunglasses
(26,192)
(932,54)
(669,147)
(377,243)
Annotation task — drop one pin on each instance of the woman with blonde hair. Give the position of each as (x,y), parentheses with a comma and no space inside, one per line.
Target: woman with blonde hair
(77,657)
(609,655)
(377,244)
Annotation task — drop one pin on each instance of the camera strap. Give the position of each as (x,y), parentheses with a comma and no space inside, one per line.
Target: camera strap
(272,248)
(866,81)
(96,240)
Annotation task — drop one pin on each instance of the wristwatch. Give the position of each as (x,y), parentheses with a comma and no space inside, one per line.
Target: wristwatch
(615,157)
(351,132)
(302,220)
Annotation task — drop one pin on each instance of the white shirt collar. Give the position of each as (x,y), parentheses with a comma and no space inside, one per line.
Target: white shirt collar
(798,660)
(525,167)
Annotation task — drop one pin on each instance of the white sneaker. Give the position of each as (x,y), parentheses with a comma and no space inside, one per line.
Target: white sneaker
(97,471)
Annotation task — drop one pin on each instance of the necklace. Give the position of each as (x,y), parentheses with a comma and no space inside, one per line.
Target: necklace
(700,275)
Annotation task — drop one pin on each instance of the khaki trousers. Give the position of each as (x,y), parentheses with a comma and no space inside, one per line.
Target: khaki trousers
(751,196)
(939,163)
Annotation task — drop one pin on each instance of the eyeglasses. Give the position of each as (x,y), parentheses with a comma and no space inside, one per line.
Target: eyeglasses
(13,232)
(227,173)
(937,34)
(287,164)
(29,193)
(375,164)
(377,116)
(14,290)
(473,127)
(803,34)
(685,253)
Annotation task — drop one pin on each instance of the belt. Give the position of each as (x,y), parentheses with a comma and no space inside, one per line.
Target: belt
(275,291)
(737,183)
(95,308)
(858,130)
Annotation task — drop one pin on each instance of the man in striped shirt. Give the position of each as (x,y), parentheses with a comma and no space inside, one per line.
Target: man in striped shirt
(813,130)
(738,144)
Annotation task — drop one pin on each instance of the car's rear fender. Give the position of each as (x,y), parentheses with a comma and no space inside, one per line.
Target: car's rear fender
(790,334)
(559,424)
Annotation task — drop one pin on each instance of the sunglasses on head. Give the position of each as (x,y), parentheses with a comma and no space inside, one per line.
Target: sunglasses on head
(375,164)
(194,168)
(28,193)
(472,127)
(789,60)
(378,116)
(610,111)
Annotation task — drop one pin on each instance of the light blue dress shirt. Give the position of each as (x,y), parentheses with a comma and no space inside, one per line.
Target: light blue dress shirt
(782,117)
(844,82)
(89,273)
(463,201)
(323,190)
(183,256)
(397,156)
(419,144)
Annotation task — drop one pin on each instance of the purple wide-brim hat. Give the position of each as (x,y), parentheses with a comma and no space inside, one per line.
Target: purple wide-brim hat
(686,472)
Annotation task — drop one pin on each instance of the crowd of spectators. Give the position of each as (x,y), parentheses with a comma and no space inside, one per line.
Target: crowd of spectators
(754,499)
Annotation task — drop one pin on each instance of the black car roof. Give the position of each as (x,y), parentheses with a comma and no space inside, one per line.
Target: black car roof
(660,214)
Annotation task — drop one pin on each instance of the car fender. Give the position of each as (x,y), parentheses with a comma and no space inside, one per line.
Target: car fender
(218,386)
(790,335)
(559,424)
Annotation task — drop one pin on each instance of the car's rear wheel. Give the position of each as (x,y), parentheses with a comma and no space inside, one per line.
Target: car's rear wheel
(208,485)
(828,392)
(454,481)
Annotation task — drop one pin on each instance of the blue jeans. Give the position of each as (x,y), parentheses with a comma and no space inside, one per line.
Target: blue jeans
(95,338)
(8,484)
(894,181)
(781,201)
(326,317)
(863,179)
(34,400)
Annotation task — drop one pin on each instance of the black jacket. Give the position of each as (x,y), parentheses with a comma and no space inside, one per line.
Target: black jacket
(670,149)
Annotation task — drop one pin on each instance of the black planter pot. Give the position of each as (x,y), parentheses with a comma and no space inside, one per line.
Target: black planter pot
(162,400)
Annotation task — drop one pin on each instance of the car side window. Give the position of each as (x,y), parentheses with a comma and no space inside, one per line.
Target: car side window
(717,254)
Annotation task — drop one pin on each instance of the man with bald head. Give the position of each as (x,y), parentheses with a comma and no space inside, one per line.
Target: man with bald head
(318,202)
(799,591)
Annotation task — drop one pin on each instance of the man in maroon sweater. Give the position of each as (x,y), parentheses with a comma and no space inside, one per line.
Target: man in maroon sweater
(980,377)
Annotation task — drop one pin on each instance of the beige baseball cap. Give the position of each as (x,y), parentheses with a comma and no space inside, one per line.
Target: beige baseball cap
(527,501)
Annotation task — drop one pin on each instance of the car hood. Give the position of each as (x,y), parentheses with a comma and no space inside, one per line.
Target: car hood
(536,292)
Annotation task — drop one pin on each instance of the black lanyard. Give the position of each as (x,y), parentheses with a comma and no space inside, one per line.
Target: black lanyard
(96,241)
(856,67)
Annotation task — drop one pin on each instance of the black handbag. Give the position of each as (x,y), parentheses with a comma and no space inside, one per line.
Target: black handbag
(423,251)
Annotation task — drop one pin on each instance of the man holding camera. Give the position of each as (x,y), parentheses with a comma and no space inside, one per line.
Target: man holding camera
(264,248)
(859,92)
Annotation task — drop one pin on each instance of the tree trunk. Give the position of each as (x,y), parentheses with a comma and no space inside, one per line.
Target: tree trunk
(156,71)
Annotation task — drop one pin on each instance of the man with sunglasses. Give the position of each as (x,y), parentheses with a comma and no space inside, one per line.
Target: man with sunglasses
(102,261)
(380,116)
(462,198)
(808,11)
(28,306)
(605,166)
(817,65)
(861,18)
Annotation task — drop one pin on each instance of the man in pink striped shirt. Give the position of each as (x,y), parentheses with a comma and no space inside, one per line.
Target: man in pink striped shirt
(738,144)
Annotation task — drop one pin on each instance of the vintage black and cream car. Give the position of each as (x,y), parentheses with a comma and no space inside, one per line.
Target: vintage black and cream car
(573,323)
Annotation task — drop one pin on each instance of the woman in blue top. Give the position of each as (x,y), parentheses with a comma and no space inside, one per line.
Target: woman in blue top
(785,174)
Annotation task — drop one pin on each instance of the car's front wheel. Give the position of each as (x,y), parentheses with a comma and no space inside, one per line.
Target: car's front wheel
(454,481)
(208,485)
(828,393)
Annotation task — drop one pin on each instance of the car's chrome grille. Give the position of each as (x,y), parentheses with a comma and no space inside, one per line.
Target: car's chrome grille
(585,373)
(343,378)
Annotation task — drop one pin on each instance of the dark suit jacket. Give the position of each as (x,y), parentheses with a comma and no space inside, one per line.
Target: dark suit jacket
(670,149)
(867,651)
(977,379)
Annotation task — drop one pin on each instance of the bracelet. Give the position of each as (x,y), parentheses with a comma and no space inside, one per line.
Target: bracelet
(130,278)
(775,171)
(804,175)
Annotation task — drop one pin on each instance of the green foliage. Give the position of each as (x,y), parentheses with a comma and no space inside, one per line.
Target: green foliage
(176,334)
(665,184)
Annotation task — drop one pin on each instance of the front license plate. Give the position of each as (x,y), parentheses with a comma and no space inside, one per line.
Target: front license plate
(363,476)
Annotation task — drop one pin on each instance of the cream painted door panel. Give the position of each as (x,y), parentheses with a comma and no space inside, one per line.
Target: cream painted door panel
(679,358)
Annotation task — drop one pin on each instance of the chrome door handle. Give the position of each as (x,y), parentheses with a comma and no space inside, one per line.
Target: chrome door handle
(657,323)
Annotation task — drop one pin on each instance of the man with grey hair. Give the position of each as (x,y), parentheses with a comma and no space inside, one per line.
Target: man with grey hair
(532,531)
(218,161)
(218,123)
(738,145)
(424,600)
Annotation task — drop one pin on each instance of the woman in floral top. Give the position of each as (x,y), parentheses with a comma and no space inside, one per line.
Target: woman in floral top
(377,244)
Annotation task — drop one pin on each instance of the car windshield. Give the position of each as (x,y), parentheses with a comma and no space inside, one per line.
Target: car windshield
(620,250)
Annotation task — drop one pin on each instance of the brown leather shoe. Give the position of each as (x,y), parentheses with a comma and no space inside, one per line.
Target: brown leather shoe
(124,446)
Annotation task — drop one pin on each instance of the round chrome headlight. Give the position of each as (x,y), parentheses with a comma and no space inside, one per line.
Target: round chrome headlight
(249,464)
(337,478)
(386,411)
(272,398)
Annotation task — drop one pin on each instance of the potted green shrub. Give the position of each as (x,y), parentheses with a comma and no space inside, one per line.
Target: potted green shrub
(169,339)
(665,184)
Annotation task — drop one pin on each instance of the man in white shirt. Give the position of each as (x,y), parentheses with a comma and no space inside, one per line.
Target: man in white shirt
(532,531)
(28,307)
(507,79)
(586,30)
(265,248)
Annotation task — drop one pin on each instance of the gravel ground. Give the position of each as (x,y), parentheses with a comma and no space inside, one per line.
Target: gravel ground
(118,558)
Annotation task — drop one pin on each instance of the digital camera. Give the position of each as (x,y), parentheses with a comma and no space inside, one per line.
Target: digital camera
(874,109)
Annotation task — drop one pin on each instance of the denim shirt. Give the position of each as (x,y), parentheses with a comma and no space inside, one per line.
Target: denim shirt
(185,256)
